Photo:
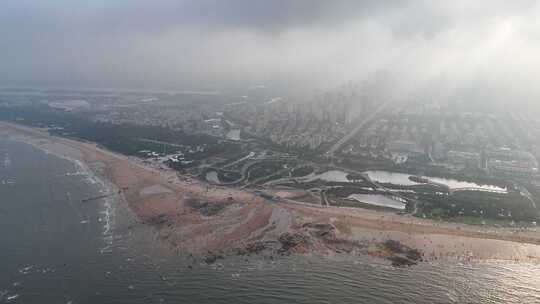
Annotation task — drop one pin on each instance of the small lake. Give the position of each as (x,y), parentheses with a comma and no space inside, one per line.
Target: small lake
(212,177)
(403,179)
(329,176)
(395,178)
(233,134)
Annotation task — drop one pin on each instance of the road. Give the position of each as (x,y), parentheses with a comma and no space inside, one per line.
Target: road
(250,155)
(324,199)
(368,119)
(527,194)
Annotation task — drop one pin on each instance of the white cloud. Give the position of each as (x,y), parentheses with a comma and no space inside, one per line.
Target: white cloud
(446,48)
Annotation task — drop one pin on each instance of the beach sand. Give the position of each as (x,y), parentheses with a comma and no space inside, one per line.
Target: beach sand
(192,216)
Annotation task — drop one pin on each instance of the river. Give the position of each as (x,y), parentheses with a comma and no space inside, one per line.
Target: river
(55,249)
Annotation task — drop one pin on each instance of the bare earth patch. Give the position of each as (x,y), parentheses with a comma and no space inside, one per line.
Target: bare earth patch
(155,189)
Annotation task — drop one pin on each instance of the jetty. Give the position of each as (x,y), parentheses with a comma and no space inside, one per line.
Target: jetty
(94,198)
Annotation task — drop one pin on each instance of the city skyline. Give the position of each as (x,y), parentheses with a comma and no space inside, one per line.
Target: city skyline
(481,51)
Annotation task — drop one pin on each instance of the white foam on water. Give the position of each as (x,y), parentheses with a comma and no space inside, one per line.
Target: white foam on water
(107,214)
(8,182)
(92,180)
(84,171)
(26,270)
(109,210)
(12,297)
(7,160)
(47,270)
(76,173)
(33,269)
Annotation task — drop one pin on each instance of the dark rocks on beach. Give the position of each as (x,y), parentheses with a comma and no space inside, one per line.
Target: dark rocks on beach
(393,246)
(158,220)
(207,208)
(402,255)
(257,247)
(290,241)
(414,254)
(211,258)
(397,248)
(327,233)
(399,261)
(321,230)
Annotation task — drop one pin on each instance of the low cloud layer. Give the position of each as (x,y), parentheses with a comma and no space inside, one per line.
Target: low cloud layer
(482,50)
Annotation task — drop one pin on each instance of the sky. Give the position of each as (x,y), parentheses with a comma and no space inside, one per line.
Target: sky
(478,50)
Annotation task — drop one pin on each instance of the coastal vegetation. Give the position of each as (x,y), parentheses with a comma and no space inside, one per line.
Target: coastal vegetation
(195,149)
(125,138)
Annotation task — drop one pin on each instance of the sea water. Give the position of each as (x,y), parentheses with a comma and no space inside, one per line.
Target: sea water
(56,249)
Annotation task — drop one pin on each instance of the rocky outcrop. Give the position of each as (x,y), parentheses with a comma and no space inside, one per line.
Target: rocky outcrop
(208,208)
(290,242)
(401,255)
(212,257)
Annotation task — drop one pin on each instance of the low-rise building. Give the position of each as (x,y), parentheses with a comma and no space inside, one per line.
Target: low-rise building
(464,158)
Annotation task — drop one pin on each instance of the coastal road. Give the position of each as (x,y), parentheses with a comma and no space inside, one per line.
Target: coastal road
(356,129)
(250,155)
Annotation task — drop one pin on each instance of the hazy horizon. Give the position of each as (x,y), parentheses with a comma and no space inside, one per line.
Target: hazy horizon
(269,151)
(478,51)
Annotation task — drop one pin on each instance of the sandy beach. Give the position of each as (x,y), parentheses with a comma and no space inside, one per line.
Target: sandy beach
(194,217)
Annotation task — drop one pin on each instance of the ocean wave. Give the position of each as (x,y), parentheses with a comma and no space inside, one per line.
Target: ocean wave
(7,160)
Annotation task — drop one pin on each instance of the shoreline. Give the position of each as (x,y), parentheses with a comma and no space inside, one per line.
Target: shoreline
(194,217)
(93,176)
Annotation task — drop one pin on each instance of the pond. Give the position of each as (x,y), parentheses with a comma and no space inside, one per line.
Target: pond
(403,179)
(329,176)
(233,134)
(212,177)
(395,178)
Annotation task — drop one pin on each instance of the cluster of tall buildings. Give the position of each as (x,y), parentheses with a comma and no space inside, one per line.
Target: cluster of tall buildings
(313,123)
(498,142)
